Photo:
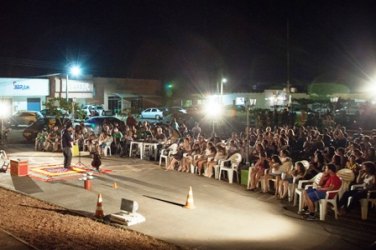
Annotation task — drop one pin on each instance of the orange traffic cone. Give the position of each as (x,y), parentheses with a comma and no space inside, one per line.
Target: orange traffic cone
(114,185)
(99,211)
(189,203)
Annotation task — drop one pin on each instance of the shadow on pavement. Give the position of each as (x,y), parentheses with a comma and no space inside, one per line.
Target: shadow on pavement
(146,184)
(25,184)
(68,184)
(166,201)
(63,211)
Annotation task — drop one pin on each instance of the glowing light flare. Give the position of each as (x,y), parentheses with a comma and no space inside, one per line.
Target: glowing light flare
(213,107)
(75,70)
(4,109)
(370,87)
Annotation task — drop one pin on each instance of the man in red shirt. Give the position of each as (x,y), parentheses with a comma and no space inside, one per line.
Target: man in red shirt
(311,195)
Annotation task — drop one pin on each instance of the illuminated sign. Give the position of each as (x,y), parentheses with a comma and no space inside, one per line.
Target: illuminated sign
(20,86)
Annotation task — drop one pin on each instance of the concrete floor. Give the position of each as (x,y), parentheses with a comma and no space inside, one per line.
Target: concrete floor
(226,215)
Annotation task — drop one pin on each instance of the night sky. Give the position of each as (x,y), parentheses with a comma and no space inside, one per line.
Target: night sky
(193,43)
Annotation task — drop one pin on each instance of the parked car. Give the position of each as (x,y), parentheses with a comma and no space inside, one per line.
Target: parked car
(53,113)
(152,113)
(93,110)
(173,110)
(31,132)
(99,109)
(96,123)
(25,118)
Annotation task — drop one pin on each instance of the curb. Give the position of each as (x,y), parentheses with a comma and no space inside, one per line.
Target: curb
(19,239)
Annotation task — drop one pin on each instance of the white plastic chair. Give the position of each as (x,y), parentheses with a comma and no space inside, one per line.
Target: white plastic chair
(292,186)
(235,160)
(107,150)
(4,161)
(194,169)
(323,203)
(172,149)
(299,190)
(364,203)
(262,180)
(347,176)
(163,156)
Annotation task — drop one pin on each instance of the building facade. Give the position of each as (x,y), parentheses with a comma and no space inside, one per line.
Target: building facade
(122,95)
(18,94)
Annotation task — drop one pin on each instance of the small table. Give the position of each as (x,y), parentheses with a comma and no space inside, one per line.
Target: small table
(139,144)
(153,145)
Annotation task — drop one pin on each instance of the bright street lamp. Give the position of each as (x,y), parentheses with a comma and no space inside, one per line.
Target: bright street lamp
(5,111)
(214,109)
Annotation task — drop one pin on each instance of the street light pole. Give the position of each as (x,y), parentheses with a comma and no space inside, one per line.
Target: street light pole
(66,87)
(75,70)
(223,80)
(247,139)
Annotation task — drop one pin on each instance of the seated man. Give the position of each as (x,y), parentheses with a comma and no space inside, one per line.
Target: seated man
(117,137)
(41,139)
(53,140)
(311,195)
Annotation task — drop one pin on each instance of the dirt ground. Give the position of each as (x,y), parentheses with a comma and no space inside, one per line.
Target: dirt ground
(47,226)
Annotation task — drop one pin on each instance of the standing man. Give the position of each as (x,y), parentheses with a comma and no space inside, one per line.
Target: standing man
(131,122)
(196,131)
(66,144)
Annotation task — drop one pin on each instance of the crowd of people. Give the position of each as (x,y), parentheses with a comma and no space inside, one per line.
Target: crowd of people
(284,154)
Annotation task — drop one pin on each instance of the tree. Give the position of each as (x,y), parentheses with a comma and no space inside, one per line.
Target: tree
(61,108)
(321,91)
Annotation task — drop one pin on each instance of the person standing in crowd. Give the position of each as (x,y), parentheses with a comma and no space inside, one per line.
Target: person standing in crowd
(131,122)
(196,131)
(66,144)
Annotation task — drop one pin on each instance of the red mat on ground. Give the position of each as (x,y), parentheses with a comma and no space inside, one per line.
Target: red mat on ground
(58,172)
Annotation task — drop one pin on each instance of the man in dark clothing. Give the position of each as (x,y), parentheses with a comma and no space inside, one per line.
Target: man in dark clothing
(131,122)
(66,144)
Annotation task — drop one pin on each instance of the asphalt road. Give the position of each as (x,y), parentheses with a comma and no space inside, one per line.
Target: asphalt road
(226,215)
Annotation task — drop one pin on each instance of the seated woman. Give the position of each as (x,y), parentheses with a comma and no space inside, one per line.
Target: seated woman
(183,147)
(195,153)
(220,155)
(208,154)
(92,142)
(104,141)
(367,177)
(257,171)
(184,167)
(290,176)
(274,173)
(126,141)
(352,165)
